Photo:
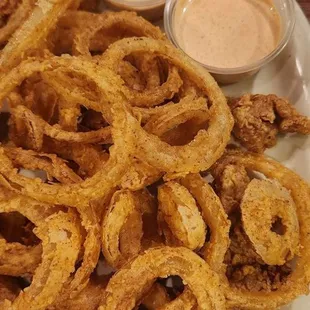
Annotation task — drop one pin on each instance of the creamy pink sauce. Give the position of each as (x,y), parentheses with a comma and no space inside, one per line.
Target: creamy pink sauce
(226,33)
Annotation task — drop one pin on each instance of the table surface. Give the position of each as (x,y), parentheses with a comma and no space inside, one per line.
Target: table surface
(305,4)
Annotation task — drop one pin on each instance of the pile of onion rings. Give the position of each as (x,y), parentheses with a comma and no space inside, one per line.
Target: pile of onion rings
(107,131)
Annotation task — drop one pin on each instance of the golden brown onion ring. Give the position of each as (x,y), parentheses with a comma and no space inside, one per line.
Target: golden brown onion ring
(179,211)
(129,284)
(90,222)
(61,242)
(208,145)
(262,204)
(215,218)
(128,21)
(122,208)
(123,224)
(135,26)
(298,281)
(123,132)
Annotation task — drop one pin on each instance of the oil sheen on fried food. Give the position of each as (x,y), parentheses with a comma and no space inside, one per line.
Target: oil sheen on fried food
(227,33)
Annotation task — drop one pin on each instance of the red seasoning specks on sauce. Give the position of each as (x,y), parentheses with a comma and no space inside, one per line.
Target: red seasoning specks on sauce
(227,33)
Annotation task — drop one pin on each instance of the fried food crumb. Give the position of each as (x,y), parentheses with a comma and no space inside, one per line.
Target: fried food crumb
(247,271)
(259,118)
(230,185)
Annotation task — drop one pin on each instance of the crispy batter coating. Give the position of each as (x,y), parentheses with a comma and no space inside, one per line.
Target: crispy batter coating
(259,118)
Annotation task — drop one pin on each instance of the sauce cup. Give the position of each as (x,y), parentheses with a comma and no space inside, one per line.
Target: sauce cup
(286,11)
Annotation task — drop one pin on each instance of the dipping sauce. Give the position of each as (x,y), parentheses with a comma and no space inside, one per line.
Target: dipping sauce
(227,33)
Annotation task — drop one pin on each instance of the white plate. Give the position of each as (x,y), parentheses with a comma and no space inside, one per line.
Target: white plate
(288,76)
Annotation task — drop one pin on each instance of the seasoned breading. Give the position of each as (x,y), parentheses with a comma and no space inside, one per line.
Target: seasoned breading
(259,118)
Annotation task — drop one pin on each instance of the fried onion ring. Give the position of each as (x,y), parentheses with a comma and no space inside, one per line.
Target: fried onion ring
(267,200)
(203,151)
(59,231)
(43,128)
(178,210)
(128,21)
(122,208)
(50,163)
(214,216)
(100,184)
(128,285)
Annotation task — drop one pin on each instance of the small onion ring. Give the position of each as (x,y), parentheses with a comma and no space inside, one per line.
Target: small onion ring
(100,136)
(54,166)
(122,206)
(179,211)
(262,203)
(107,20)
(214,216)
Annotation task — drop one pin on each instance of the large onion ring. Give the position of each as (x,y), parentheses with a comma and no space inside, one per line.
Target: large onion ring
(108,177)
(208,145)
(127,285)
